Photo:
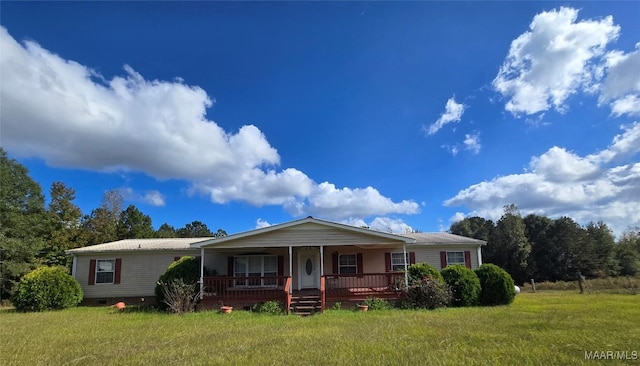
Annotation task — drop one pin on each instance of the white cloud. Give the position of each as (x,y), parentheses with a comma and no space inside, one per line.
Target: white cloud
(562,183)
(71,116)
(384,224)
(458,216)
(340,203)
(472,142)
(629,105)
(553,60)
(452,113)
(453,149)
(152,197)
(260,223)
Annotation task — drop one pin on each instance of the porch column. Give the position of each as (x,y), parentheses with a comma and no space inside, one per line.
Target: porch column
(479,256)
(404,255)
(201,273)
(290,262)
(321,260)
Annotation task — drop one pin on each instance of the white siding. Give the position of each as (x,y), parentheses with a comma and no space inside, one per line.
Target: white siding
(138,276)
(431,255)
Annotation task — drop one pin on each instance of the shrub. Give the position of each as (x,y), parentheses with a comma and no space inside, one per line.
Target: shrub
(375,303)
(269,307)
(428,293)
(497,287)
(47,288)
(179,297)
(417,272)
(464,285)
(186,268)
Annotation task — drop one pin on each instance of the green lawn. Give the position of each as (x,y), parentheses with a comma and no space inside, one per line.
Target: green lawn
(542,328)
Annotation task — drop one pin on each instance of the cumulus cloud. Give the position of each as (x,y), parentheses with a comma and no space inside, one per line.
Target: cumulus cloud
(472,142)
(452,113)
(70,116)
(260,223)
(328,201)
(384,224)
(152,197)
(458,216)
(629,105)
(604,185)
(556,58)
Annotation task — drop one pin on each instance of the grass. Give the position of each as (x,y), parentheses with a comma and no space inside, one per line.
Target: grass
(552,328)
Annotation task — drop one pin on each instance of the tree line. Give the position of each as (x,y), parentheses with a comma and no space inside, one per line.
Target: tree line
(33,234)
(544,249)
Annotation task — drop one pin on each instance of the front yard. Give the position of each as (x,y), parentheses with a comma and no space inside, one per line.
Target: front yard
(542,328)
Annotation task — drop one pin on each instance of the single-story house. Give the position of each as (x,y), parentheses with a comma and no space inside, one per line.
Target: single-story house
(303,262)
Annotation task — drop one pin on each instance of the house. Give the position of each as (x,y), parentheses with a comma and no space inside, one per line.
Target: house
(303,262)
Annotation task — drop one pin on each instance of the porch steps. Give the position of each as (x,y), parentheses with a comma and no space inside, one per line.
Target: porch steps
(305,305)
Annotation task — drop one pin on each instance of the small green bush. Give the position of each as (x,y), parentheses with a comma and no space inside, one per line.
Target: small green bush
(47,288)
(417,272)
(497,287)
(375,303)
(268,307)
(464,285)
(428,293)
(186,268)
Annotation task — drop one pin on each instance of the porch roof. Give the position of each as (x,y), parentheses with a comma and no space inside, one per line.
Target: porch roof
(443,239)
(382,237)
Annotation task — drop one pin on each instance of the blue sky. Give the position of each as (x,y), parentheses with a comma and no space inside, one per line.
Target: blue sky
(391,115)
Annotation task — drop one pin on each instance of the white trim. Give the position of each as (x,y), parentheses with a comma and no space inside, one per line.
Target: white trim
(356,265)
(404,263)
(455,251)
(291,262)
(479,257)
(321,260)
(201,273)
(95,274)
(74,266)
(406,272)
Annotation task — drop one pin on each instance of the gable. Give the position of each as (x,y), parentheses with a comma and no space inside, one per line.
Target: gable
(307,234)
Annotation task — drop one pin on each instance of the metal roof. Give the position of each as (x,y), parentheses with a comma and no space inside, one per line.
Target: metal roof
(442,239)
(140,244)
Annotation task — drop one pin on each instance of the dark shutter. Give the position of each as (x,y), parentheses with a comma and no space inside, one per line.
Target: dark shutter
(467,258)
(334,262)
(359,263)
(92,272)
(116,277)
(387,262)
(281,269)
(443,259)
(230,266)
(412,258)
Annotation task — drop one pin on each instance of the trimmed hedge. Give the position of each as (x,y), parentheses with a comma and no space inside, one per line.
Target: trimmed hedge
(497,285)
(47,288)
(186,268)
(464,285)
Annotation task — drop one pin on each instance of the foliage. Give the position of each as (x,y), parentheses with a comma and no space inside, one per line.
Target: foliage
(268,307)
(603,244)
(337,306)
(47,288)
(537,229)
(133,224)
(166,231)
(473,227)
(508,245)
(178,296)
(375,303)
(22,223)
(186,269)
(464,285)
(417,272)
(64,226)
(101,225)
(428,293)
(497,287)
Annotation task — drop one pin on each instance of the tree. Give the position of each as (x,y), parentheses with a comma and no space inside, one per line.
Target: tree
(537,229)
(508,246)
(101,225)
(22,222)
(133,224)
(574,252)
(627,253)
(166,231)
(195,229)
(603,245)
(473,227)
(64,225)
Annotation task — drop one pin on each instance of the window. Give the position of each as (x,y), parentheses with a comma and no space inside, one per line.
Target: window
(347,264)
(105,270)
(255,266)
(397,263)
(455,258)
